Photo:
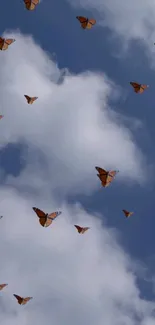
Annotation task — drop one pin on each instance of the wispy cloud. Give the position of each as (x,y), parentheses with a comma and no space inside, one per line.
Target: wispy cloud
(128,19)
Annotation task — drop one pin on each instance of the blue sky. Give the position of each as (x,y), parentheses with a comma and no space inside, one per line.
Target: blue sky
(34,173)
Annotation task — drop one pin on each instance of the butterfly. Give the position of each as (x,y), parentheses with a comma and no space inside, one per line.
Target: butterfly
(5,42)
(138,88)
(31,4)
(127,213)
(105,176)
(21,300)
(3,285)
(30,100)
(85,22)
(81,230)
(46,219)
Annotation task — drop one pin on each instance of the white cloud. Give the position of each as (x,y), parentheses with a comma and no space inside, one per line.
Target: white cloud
(76,279)
(70,128)
(73,278)
(130,19)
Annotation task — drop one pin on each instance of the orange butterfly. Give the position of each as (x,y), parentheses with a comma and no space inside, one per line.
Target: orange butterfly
(138,88)
(21,300)
(30,100)
(3,285)
(127,213)
(85,22)
(105,176)
(5,42)
(46,219)
(31,4)
(81,230)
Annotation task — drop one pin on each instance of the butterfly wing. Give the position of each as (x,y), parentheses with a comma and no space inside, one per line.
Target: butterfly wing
(9,41)
(3,285)
(79,229)
(29,4)
(27,98)
(91,23)
(54,215)
(42,221)
(142,88)
(51,217)
(33,99)
(101,170)
(25,300)
(39,212)
(48,222)
(6,42)
(2,40)
(110,177)
(84,229)
(83,21)
(102,175)
(136,86)
(19,299)
(35,2)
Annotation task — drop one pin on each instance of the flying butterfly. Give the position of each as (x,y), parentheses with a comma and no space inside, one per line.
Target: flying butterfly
(5,42)
(3,285)
(46,219)
(81,230)
(105,176)
(31,4)
(138,88)
(85,22)
(30,100)
(21,300)
(127,213)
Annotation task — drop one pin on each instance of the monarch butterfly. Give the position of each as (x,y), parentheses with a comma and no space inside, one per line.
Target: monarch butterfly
(21,300)
(85,22)
(5,42)
(31,4)
(106,177)
(81,230)
(3,285)
(46,219)
(127,213)
(138,88)
(30,100)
